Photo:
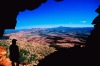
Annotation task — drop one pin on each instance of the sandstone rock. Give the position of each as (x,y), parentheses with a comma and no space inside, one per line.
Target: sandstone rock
(4,61)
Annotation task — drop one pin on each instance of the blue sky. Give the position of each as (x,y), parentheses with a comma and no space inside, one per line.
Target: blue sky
(70,13)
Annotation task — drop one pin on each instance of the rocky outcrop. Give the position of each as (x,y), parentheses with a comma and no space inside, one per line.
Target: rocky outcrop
(94,38)
(4,61)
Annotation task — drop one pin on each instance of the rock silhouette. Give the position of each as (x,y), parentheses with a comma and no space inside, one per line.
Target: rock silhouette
(92,43)
(93,39)
(58,0)
(9,9)
(77,56)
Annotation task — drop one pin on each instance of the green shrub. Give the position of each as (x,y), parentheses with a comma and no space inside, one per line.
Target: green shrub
(4,45)
(26,56)
(32,57)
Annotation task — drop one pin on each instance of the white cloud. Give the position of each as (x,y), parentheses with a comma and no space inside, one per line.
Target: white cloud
(84,21)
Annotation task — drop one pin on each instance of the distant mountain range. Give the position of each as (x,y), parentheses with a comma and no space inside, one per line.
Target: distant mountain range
(14,30)
(61,28)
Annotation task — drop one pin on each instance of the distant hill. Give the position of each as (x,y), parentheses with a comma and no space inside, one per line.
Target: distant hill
(69,30)
(56,29)
(13,31)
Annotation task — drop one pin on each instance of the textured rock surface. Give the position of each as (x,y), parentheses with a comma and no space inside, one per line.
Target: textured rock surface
(4,61)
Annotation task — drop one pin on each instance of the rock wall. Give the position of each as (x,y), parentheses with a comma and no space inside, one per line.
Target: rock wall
(4,61)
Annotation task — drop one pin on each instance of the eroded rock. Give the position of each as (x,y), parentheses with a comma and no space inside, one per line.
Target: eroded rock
(4,61)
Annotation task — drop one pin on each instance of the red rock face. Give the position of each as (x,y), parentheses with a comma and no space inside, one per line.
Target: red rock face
(4,61)
(2,51)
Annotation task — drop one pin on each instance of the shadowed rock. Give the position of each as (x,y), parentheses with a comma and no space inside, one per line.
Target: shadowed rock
(9,9)
(94,38)
(59,0)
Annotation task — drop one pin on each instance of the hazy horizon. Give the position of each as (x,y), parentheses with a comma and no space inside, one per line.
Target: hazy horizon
(53,26)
